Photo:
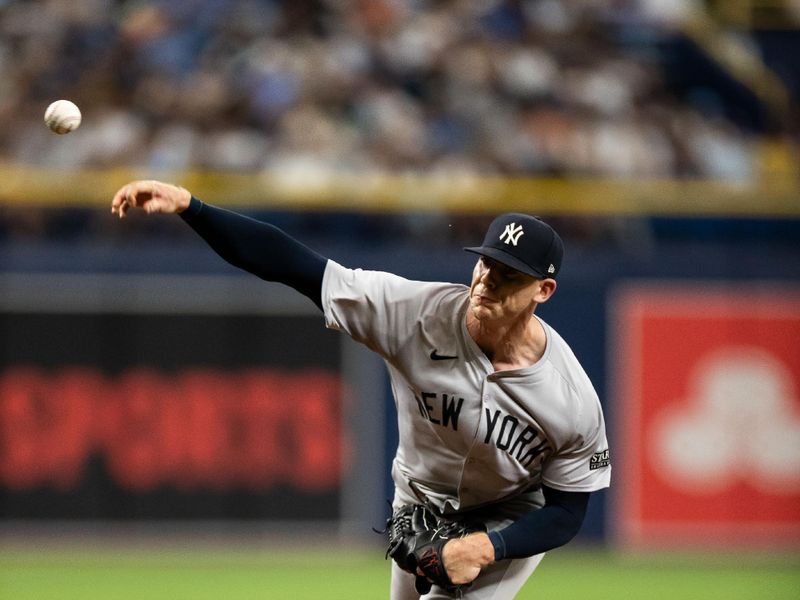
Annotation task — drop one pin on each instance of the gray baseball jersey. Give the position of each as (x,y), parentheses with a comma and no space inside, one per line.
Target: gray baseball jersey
(469,436)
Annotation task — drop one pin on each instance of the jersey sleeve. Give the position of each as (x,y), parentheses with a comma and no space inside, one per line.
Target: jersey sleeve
(375,308)
(259,248)
(584,464)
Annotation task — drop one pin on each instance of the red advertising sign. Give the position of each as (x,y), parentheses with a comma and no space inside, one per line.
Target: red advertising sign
(707,448)
(150,416)
(197,429)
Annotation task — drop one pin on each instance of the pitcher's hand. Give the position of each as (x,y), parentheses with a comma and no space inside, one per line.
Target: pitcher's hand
(465,557)
(152,197)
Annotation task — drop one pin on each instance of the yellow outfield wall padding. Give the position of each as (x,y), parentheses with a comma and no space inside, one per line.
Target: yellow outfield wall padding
(770,198)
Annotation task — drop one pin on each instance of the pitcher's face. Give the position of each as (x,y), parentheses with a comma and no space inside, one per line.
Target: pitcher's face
(499,292)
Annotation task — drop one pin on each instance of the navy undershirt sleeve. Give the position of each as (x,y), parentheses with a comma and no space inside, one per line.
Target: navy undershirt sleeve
(259,248)
(541,530)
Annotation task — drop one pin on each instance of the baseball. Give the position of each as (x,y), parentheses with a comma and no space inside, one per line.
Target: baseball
(62,116)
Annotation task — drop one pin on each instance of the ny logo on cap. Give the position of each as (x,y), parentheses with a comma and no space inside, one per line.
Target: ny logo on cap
(512,234)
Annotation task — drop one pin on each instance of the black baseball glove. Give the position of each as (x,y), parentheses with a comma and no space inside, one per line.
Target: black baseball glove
(416,540)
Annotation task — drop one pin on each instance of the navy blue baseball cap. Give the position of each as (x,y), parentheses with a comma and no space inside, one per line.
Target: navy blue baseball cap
(524,243)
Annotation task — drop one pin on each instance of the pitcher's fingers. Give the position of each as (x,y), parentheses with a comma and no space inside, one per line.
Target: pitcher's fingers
(118,199)
(122,208)
(136,189)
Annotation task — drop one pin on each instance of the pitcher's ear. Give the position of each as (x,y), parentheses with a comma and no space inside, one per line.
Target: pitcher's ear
(547,288)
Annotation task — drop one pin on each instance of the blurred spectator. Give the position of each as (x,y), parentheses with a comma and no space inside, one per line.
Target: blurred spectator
(316,86)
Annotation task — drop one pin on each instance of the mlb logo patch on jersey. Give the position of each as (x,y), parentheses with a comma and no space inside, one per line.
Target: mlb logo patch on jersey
(599,460)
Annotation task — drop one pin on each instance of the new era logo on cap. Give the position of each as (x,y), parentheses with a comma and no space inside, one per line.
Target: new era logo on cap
(524,243)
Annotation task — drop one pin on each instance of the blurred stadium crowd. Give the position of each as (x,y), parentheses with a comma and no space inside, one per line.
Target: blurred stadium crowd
(484,86)
(310,88)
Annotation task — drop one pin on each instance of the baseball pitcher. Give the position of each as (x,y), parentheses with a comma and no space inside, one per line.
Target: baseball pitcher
(502,436)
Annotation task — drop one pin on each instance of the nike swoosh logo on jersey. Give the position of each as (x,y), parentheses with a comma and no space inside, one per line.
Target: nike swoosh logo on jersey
(436,356)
